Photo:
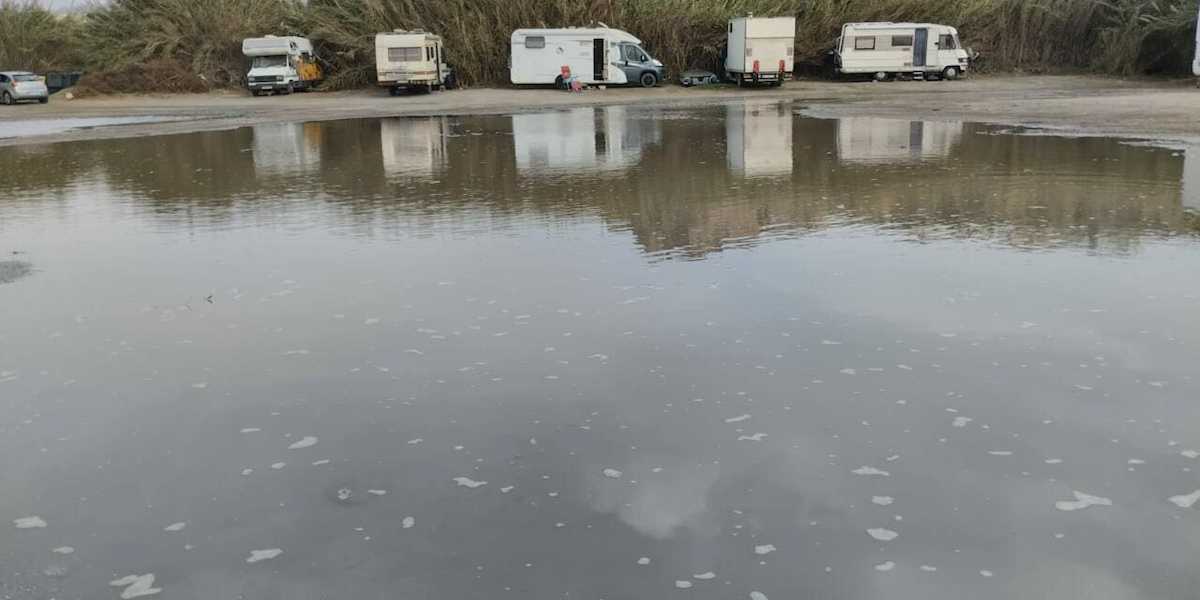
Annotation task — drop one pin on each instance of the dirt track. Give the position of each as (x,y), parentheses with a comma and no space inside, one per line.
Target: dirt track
(1153,109)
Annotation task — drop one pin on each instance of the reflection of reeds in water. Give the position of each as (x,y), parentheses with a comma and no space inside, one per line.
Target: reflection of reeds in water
(1113,36)
(676,195)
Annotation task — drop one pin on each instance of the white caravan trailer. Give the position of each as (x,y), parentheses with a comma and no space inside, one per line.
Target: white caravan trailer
(760,49)
(888,49)
(411,60)
(280,64)
(594,55)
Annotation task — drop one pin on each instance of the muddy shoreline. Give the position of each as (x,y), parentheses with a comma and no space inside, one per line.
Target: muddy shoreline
(1155,109)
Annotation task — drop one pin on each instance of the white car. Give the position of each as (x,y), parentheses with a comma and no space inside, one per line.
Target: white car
(16,86)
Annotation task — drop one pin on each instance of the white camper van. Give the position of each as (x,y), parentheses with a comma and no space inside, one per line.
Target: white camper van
(760,49)
(888,49)
(280,64)
(411,60)
(593,55)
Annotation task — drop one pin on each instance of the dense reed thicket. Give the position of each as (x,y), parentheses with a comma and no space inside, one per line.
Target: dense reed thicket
(1120,37)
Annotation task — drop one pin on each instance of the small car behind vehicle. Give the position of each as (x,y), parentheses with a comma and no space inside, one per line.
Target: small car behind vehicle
(21,86)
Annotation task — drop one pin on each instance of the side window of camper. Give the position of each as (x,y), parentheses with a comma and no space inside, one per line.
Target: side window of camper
(864,43)
(900,41)
(404,54)
(946,42)
(534,42)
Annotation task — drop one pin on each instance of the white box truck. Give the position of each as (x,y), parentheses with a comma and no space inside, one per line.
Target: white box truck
(282,64)
(411,60)
(594,55)
(760,50)
(885,50)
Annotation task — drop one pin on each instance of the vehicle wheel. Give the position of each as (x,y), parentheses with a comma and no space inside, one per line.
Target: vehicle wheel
(881,76)
(558,83)
(450,83)
(950,74)
(648,80)
(43,100)
(6,99)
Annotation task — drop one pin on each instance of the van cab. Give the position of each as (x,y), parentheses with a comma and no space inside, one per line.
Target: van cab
(884,50)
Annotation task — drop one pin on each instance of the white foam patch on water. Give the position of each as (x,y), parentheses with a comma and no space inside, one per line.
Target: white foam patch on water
(279,465)
(1190,453)
(885,567)
(1000,452)
(758,596)
(758,437)
(467,482)
(323,461)
(705,576)
(415,442)
(247,472)
(251,430)
(612,473)
(882,500)
(29,523)
(506,489)
(883,535)
(377,492)
(645,560)
(136,586)
(408,522)
(64,550)
(1081,502)
(864,470)
(986,573)
(1054,461)
(683,585)
(1187,500)
(928,568)
(261,555)
(961,421)
(764,549)
(175,526)
(200,385)
(848,372)
(738,419)
(306,442)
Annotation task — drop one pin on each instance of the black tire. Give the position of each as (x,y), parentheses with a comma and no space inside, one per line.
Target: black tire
(559,83)
(648,79)
(43,100)
(6,99)
(451,82)
(951,73)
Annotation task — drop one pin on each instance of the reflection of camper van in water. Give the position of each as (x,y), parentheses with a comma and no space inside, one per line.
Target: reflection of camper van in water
(873,140)
(413,146)
(583,139)
(1191,179)
(758,139)
(286,148)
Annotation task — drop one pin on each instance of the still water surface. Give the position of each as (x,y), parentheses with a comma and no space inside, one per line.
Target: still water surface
(610,352)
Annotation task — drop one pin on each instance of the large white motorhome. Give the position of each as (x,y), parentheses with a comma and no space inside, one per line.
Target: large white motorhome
(760,50)
(593,55)
(886,50)
(411,60)
(281,64)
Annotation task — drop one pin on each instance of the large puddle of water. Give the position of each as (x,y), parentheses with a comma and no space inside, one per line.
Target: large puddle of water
(600,353)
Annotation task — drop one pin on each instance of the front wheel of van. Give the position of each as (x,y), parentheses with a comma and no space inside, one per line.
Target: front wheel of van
(648,80)
(881,76)
(950,74)
(558,83)
(6,99)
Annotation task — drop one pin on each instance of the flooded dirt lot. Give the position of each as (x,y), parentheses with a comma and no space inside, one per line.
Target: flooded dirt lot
(601,352)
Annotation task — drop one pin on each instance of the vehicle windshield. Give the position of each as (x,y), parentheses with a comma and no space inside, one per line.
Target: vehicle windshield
(261,62)
(26,77)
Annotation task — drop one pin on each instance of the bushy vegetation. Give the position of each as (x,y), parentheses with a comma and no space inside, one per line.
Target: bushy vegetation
(1120,37)
(35,39)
